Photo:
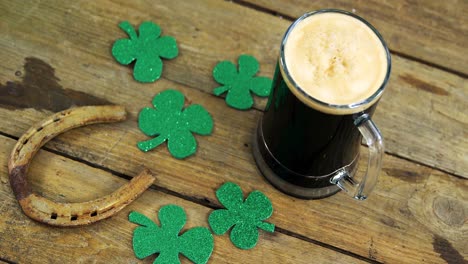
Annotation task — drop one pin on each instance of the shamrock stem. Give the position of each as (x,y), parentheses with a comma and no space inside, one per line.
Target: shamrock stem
(141,219)
(151,144)
(220,90)
(269,227)
(127,27)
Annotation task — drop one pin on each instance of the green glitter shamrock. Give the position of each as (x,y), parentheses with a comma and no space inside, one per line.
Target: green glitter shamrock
(240,84)
(246,216)
(146,49)
(169,121)
(149,238)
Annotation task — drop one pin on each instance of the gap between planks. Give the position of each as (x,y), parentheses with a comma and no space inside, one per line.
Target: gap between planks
(394,52)
(3,260)
(203,201)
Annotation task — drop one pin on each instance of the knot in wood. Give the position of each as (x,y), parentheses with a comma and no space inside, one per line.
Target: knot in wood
(449,211)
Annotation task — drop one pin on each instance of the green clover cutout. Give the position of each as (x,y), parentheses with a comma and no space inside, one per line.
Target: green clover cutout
(246,216)
(146,49)
(239,84)
(169,121)
(196,244)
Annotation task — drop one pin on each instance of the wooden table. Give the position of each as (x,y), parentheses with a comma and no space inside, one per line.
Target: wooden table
(55,55)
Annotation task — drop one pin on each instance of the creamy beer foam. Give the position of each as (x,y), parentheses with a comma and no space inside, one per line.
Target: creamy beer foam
(335,58)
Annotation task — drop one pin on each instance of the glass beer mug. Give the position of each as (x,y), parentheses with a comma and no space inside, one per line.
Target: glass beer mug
(332,70)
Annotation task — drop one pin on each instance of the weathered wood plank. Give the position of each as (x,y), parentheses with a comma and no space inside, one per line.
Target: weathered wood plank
(422,115)
(432,31)
(394,230)
(109,241)
(400,219)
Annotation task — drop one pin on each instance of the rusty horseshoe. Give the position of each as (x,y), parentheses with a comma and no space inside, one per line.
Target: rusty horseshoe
(69,214)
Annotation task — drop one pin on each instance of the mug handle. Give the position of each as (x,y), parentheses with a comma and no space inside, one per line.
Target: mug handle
(344,180)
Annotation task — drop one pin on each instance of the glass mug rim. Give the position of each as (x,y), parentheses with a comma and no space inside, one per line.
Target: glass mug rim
(318,104)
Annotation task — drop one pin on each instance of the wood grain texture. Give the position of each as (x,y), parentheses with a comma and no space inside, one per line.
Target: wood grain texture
(432,31)
(414,213)
(109,241)
(421,115)
(398,223)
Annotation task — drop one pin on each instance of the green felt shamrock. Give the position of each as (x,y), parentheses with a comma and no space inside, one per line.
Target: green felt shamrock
(147,48)
(246,216)
(149,238)
(240,83)
(169,121)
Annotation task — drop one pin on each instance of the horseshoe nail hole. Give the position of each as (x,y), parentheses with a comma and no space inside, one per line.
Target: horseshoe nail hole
(53,216)
(74,218)
(25,141)
(56,119)
(93,214)
(39,129)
